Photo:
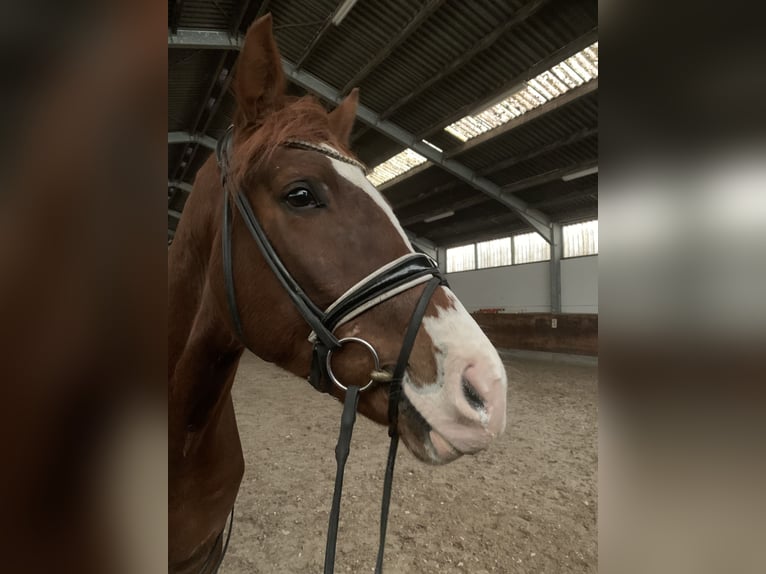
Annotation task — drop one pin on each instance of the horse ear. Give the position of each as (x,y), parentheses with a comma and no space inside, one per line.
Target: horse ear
(259,83)
(342,118)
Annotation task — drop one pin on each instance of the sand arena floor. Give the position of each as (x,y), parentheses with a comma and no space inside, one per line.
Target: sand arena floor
(528,504)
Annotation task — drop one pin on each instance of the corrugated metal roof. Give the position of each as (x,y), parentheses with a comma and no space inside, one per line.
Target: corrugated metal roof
(349,47)
(456,56)
(207,14)
(497,68)
(296,22)
(189,72)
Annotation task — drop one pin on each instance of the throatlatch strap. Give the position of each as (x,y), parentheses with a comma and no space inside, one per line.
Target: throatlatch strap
(228,267)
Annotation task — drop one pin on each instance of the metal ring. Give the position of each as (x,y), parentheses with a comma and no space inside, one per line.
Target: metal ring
(342,342)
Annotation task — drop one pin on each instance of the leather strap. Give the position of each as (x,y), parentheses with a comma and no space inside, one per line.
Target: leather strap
(228,268)
(347,425)
(341,455)
(394,396)
(388,481)
(384,283)
(217,564)
(310,312)
(394,392)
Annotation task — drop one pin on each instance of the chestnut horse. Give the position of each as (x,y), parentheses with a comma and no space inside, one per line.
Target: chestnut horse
(331,228)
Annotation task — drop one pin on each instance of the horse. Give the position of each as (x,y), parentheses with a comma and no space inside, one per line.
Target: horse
(308,228)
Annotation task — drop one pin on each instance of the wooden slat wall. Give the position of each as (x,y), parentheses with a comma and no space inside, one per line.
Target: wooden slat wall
(575,333)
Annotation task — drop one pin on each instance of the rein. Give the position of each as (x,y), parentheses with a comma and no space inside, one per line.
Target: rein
(386,282)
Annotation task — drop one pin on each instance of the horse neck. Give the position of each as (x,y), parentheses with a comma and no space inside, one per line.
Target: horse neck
(203,354)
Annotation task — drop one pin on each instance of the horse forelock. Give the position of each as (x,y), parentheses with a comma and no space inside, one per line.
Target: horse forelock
(303,119)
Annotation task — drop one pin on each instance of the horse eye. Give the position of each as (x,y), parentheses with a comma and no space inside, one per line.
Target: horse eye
(301,198)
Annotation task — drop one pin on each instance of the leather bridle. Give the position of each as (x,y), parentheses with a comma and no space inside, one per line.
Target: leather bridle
(386,282)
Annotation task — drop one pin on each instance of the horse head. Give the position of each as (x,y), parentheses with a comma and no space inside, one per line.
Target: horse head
(331,228)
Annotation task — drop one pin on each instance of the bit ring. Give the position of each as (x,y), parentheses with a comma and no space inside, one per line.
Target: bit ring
(367,346)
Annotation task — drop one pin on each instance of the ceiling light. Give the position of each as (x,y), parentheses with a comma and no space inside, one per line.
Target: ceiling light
(341,12)
(579,174)
(439,216)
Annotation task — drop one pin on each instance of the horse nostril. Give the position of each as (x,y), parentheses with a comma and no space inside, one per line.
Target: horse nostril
(471,395)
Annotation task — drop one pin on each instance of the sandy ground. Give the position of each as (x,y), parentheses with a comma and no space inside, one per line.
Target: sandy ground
(528,504)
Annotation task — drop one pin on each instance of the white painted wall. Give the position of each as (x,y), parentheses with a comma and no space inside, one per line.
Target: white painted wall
(526,288)
(517,288)
(579,285)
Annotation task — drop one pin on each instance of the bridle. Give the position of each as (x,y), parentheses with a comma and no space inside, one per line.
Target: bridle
(382,284)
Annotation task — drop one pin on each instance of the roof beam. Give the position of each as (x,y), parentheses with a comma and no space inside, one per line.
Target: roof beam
(476,230)
(489,170)
(456,206)
(178,7)
(222,40)
(455,232)
(226,65)
(536,219)
(187,187)
(187,156)
(203,39)
(385,52)
(553,202)
(550,106)
(514,187)
(543,178)
(177,186)
(221,79)
(510,87)
(186,137)
(542,150)
(318,37)
(240,16)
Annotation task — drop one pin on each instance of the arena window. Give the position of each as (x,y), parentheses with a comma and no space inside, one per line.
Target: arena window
(580,239)
(494,253)
(530,248)
(461,258)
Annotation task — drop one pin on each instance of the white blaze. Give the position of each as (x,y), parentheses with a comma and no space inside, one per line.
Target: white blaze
(355,176)
(459,344)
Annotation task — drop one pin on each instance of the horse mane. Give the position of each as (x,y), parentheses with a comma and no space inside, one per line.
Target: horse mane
(299,118)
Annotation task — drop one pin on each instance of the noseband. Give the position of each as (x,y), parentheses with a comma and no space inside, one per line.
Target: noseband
(386,282)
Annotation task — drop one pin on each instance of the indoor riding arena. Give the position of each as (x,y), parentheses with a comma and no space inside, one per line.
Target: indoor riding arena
(477,122)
